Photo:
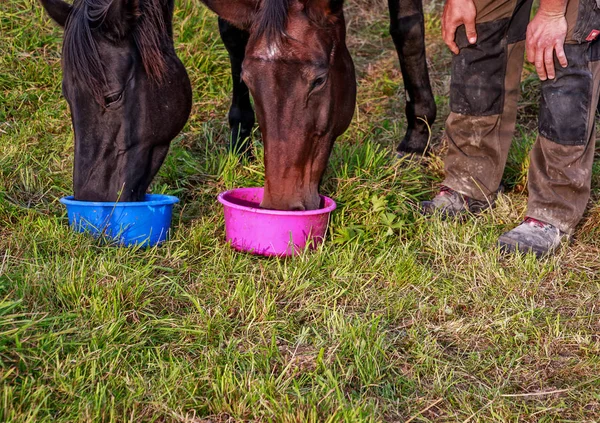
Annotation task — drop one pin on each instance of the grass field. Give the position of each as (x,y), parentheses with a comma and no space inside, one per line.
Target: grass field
(395,318)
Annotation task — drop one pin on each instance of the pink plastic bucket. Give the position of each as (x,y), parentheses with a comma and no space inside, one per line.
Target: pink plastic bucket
(271,232)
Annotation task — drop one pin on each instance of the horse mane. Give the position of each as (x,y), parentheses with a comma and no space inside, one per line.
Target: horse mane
(81,59)
(271,20)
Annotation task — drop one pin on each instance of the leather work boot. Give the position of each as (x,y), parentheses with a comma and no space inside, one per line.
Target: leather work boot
(450,203)
(534,236)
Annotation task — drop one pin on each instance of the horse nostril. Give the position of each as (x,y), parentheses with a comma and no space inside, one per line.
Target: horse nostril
(298,208)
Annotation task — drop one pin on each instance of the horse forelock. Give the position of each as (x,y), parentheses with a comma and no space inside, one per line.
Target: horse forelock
(81,58)
(271,20)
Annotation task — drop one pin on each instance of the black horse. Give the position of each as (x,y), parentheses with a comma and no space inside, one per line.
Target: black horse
(128,93)
(408,33)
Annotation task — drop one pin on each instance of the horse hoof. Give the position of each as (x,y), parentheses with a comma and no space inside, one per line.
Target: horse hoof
(414,143)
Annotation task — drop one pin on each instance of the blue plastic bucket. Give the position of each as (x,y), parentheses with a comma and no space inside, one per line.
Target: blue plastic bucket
(142,223)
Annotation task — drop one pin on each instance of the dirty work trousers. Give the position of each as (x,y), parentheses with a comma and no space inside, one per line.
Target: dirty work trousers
(483,101)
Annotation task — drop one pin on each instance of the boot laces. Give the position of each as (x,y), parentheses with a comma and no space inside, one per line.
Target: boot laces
(535,222)
(444,190)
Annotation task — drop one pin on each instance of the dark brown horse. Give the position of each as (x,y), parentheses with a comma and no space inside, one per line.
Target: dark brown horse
(278,68)
(407,31)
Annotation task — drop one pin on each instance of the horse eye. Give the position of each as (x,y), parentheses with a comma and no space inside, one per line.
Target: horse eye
(318,82)
(112,99)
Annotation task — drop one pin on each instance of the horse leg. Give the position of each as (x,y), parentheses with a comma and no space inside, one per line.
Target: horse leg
(241,114)
(407,29)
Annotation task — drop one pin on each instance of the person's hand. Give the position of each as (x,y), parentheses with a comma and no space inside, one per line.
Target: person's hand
(546,34)
(457,13)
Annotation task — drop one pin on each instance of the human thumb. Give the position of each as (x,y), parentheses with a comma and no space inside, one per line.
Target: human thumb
(471,32)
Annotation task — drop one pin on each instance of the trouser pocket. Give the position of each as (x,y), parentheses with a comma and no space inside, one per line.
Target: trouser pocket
(477,86)
(566,99)
(478,72)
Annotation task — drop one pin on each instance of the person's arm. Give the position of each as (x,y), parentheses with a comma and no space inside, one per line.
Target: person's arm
(546,34)
(457,13)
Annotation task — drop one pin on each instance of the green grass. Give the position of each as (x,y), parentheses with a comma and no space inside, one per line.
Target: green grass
(394,318)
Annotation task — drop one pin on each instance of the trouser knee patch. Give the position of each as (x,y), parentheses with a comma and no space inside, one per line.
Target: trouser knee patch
(566,99)
(477,86)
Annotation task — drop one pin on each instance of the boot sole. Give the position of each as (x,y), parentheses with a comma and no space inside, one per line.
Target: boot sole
(427,209)
(511,247)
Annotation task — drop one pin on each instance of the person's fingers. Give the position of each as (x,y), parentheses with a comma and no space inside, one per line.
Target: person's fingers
(539,64)
(453,47)
(530,48)
(471,31)
(549,62)
(449,33)
(560,55)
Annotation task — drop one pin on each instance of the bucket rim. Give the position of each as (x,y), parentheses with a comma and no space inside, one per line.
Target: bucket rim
(151,200)
(325,210)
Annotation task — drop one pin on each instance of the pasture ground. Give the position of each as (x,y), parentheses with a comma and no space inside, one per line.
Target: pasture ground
(395,318)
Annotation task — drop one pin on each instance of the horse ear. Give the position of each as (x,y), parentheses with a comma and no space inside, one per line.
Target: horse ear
(324,7)
(58,10)
(239,13)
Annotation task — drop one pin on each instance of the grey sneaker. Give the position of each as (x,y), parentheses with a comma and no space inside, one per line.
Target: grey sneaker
(450,203)
(534,236)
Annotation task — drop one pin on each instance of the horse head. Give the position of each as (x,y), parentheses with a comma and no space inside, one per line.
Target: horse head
(302,79)
(128,93)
